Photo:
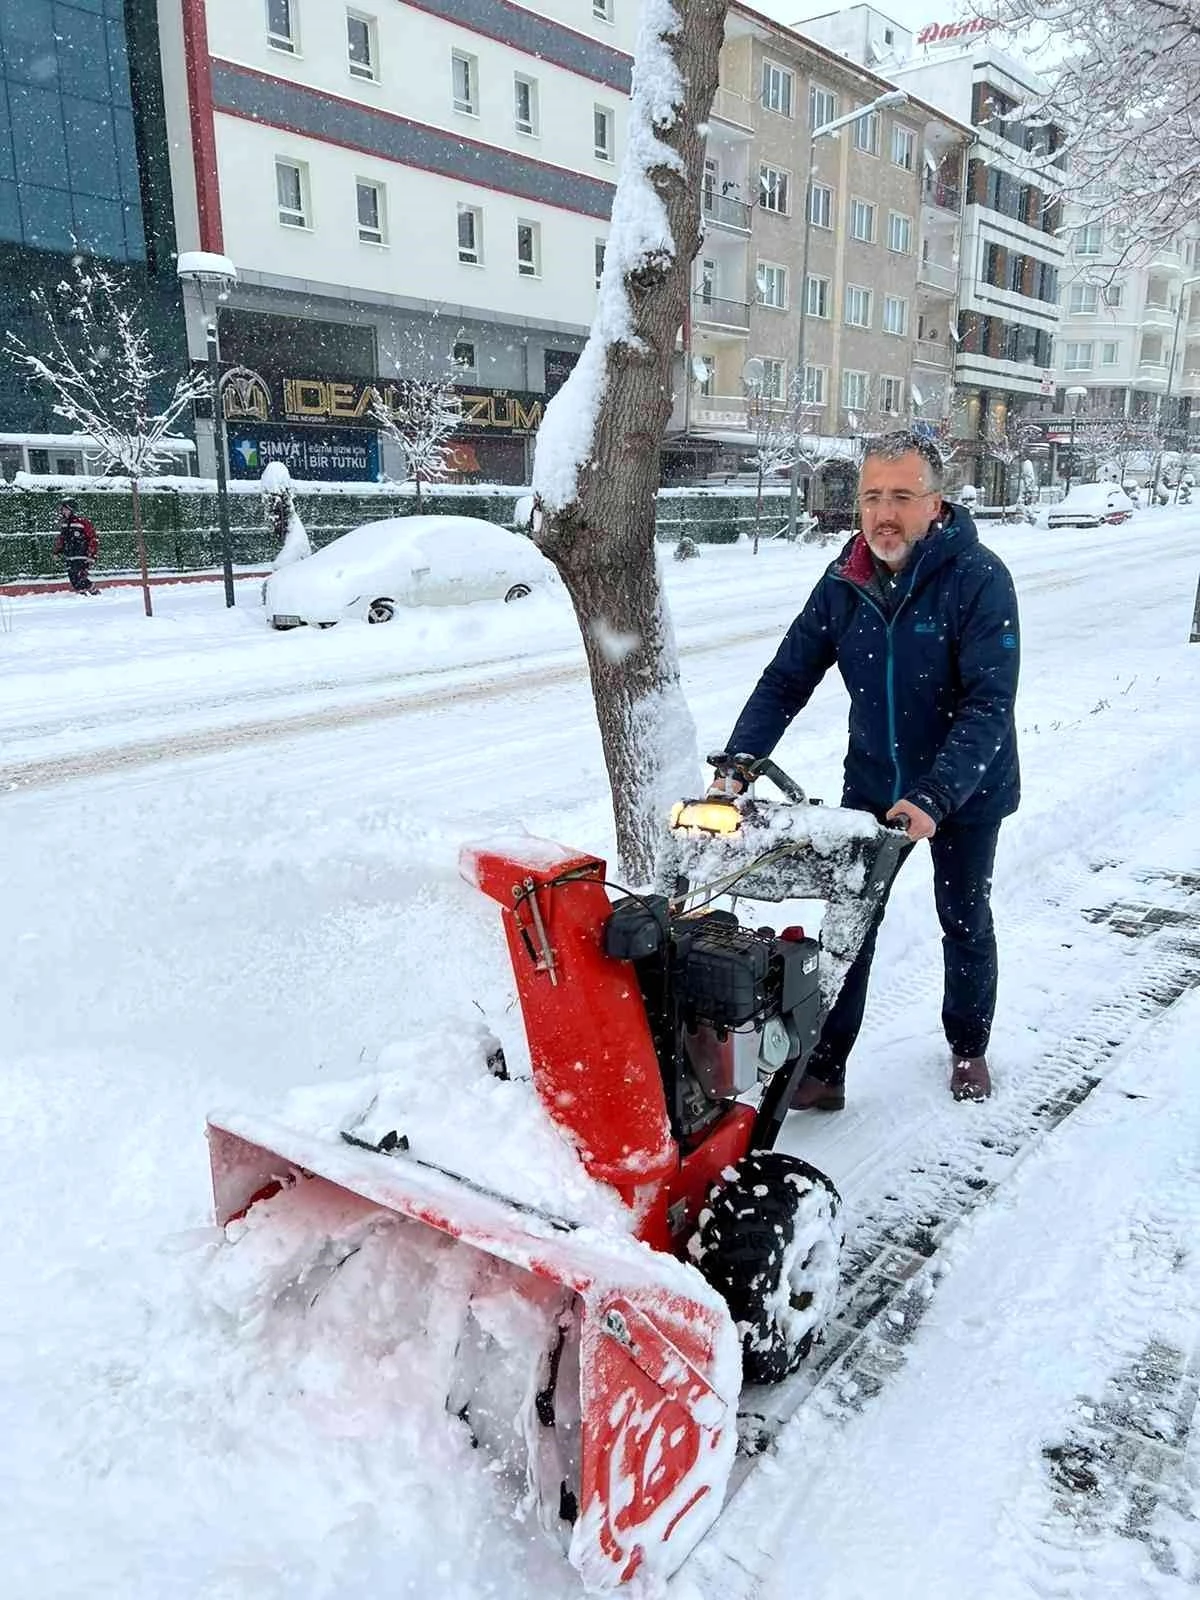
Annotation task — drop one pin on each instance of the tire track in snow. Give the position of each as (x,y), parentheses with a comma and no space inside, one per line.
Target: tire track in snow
(893,1254)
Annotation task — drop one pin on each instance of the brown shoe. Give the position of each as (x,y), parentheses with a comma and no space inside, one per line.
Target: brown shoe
(819,1094)
(970,1078)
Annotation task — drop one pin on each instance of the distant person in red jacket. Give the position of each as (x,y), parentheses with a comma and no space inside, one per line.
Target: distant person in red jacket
(78,545)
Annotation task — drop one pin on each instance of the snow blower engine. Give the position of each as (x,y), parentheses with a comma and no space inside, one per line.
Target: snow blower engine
(665,1040)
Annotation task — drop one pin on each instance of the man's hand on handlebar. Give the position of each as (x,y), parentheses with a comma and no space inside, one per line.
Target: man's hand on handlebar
(919,824)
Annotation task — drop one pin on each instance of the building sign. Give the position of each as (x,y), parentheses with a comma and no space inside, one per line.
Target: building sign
(559,366)
(952,32)
(321,455)
(341,403)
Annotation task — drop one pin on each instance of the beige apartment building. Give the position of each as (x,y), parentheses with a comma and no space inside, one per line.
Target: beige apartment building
(882,247)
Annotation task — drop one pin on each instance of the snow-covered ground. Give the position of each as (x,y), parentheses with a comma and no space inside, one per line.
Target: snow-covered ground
(230,871)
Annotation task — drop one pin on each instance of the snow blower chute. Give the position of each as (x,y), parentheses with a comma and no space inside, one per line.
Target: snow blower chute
(665,1040)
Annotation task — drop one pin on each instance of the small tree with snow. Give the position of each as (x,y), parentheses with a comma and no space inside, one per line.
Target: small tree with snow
(596,470)
(774,442)
(98,363)
(1008,443)
(425,412)
(283,520)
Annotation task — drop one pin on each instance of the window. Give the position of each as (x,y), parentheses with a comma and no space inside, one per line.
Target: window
(891,396)
(1152,350)
(822,106)
(281,26)
(774,383)
(462,357)
(1084,300)
(529,249)
(525,104)
(895,314)
(899,233)
(777,88)
(291,190)
(904,147)
(854,391)
(372,212)
(470,235)
(814,385)
(773,189)
(704,369)
(866,134)
(464,70)
(857,312)
(599,248)
(820,206)
(772,286)
(602,10)
(708,281)
(1113,294)
(363,46)
(602,124)
(817,303)
(1109,354)
(1089,241)
(862,221)
(1078,357)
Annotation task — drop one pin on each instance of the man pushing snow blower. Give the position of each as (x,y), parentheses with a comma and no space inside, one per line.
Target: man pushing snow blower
(921,621)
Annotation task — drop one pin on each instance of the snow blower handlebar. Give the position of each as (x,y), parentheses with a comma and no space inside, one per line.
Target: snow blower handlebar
(746,769)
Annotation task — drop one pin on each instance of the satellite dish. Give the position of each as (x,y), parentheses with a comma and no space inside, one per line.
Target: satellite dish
(752,373)
(918,399)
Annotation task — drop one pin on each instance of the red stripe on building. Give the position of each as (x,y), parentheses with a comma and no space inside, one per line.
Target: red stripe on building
(204,136)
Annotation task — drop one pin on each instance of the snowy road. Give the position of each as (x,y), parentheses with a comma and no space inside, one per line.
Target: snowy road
(229,867)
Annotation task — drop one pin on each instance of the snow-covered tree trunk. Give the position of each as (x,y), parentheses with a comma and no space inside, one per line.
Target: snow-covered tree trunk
(139,539)
(596,471)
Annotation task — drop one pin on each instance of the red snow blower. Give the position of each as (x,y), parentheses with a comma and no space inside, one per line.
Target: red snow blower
(666,1039)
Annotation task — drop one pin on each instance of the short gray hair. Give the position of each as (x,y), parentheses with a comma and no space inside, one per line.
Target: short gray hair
(904,442)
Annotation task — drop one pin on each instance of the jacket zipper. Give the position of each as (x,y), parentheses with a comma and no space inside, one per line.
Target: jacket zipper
(888,624)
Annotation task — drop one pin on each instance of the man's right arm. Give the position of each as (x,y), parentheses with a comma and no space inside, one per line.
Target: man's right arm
(806,654)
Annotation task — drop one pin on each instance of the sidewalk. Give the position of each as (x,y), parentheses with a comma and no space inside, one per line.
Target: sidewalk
(128,580)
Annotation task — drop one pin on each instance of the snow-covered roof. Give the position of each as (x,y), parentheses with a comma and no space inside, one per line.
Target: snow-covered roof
(81,441)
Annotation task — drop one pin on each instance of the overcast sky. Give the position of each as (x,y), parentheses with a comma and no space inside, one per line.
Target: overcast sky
(912,14)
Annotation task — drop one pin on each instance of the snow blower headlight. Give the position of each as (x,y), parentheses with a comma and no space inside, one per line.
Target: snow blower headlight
(712,816)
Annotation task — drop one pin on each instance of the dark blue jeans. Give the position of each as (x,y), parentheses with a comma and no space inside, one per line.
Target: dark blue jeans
(962,883)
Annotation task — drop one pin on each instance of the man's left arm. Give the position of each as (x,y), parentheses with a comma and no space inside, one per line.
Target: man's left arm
(989,661)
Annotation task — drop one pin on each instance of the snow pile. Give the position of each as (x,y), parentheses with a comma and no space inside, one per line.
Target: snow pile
(639,236)
(282,517)
(438,1093)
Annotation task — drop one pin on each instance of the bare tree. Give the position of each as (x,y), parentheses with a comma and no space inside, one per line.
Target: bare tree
(596,470)
(420,419)
(1009,443)
(774,440)
(1123,85)
(98,363)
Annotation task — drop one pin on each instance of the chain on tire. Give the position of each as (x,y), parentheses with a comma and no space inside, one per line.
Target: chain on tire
(768,1240)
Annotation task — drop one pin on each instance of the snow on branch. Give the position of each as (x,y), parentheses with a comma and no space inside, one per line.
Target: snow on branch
(422,415)
(638,251)
(98,363)
(1126,91)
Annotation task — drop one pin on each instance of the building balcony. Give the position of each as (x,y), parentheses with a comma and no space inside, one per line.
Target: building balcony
(725,212)
(735,109)
(936,275)
(1158,316)
(710,311)
(932,352)
(946,196)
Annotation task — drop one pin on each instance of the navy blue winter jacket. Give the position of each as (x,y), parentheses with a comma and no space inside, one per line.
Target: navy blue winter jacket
(931,686)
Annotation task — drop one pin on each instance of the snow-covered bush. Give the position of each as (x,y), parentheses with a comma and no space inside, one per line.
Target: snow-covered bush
(283,519)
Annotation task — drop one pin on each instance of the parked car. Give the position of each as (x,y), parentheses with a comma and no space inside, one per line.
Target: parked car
(1089,505)
(376,569)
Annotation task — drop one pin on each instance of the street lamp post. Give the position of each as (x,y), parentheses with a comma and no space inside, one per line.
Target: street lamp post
(213,276)
(1076,393)
(894,97)
(1186,284)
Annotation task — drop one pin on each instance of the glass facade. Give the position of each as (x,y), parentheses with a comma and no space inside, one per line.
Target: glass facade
(68,144)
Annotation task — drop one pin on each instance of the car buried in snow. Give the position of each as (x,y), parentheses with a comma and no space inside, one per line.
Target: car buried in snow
(1090,505)
(382,567)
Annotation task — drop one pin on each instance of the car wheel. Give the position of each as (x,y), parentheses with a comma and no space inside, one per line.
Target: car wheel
(381,610)
(519,591)
(326,624)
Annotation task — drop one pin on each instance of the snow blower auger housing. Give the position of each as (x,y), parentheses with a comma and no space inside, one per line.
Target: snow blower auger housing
(648,1019)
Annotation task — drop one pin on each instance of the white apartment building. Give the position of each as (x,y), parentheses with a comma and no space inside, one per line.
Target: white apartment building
(1130,332)
(1011,251)
(404,189)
